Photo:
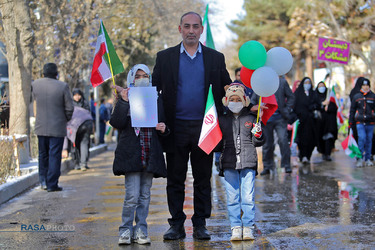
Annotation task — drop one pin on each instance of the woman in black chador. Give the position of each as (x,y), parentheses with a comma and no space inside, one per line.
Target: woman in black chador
(306,104)
(327,127)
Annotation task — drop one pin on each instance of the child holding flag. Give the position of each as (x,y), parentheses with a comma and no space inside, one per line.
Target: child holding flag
(138,156)
(362,116)
(239,160)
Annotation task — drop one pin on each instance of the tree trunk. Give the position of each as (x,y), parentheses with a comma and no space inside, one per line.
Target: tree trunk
(18,37)
(309,65)
(372,59)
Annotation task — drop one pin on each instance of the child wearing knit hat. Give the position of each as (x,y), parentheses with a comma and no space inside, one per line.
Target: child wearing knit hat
(239,161)
(361,115)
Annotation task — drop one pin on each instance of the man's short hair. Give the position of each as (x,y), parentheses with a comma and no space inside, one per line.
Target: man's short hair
(50,70)
(236,70)
(191,12)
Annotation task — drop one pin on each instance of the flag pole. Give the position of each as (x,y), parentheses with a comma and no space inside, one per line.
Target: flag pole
(110,66)
(260,102)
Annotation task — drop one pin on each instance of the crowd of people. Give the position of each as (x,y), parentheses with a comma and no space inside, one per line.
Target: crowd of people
(182,76)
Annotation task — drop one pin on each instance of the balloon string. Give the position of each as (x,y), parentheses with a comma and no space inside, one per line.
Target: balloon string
(260,101)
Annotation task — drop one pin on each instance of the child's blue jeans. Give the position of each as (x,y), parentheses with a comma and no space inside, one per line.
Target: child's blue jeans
(239,185)
(365,133)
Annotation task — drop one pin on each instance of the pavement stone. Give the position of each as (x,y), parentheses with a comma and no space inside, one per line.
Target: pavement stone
(30,177)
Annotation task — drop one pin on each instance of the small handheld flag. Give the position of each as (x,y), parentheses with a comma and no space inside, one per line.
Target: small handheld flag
(106,62)
(350,146)
(210,133)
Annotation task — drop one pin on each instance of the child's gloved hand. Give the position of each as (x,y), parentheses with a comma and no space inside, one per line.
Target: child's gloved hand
(257,130)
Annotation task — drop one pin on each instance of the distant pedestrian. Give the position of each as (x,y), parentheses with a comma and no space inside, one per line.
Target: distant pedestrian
(306,107)
(327,127)
(54,108)
(361,116)
(79,129)
(138,156)
(239,160)
(103,119)
(355,90)
(278,123)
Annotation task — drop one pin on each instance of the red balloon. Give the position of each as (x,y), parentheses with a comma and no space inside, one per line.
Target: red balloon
(245,75)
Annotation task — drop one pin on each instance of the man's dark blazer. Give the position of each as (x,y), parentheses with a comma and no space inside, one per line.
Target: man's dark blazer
(165,78)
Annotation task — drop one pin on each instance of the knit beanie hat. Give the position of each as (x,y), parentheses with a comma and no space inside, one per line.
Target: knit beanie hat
(365,81)
(235,89)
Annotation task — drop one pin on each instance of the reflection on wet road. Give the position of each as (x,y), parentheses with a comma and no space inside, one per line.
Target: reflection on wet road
(329,205)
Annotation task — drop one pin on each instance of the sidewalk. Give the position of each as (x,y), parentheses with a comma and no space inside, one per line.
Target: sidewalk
(30,177)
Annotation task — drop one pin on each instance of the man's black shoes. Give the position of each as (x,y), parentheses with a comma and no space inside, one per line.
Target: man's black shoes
(265,172)
(288,170)
(57,189)
(201,233)
(175,233)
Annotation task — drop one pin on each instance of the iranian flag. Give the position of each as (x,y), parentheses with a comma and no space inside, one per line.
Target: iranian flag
(294,132)
(210,133)
(106,62)
(333,98)
(206,37)
(350,146)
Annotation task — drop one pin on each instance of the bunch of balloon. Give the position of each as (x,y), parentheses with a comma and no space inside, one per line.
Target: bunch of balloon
(261,69)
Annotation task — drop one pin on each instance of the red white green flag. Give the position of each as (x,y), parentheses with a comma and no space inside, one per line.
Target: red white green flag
(206,37)
(350,146)
(210,133)
(294,132)
(333,98)
(106,61)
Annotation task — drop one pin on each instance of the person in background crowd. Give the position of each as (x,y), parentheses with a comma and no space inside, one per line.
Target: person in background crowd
(79,99)
(362,111)
(138,156)
(54,108)
(278,123)
(92,106)
(237,75)
(355,90)
(305,105)
(79,129)
(327,127)
(291,124)
(103,118)
(184,74)
(239,161)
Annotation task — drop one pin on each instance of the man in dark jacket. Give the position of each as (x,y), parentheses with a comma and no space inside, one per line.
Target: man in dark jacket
(54,108)
(183,75)
(278,122)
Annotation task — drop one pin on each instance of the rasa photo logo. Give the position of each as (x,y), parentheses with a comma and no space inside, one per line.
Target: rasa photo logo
(47,228)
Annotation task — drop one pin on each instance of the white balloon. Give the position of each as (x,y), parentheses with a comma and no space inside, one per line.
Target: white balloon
(280,59)
(264,81)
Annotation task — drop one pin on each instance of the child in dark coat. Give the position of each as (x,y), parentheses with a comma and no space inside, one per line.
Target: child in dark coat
(239,160)
(138,156)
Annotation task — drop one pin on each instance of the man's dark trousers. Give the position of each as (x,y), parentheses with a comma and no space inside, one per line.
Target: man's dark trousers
(50,149)
(280,126)
(186,140)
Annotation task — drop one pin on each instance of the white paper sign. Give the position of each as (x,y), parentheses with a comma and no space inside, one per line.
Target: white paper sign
(143,106)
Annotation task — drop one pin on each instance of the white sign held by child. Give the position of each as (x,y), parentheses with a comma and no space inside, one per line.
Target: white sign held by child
(143,107)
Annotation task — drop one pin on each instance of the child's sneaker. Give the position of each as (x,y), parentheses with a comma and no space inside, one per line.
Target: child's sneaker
(247,233)
(125,238)
(141,238)
(236,233)
(359,163)
(369,163)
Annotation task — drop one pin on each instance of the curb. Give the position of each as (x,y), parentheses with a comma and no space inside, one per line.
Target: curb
(15,187)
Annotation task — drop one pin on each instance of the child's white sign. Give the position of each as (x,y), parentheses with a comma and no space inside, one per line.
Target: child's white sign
(143,107)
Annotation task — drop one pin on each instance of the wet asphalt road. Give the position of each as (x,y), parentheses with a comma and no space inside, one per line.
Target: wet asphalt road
(323,205)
